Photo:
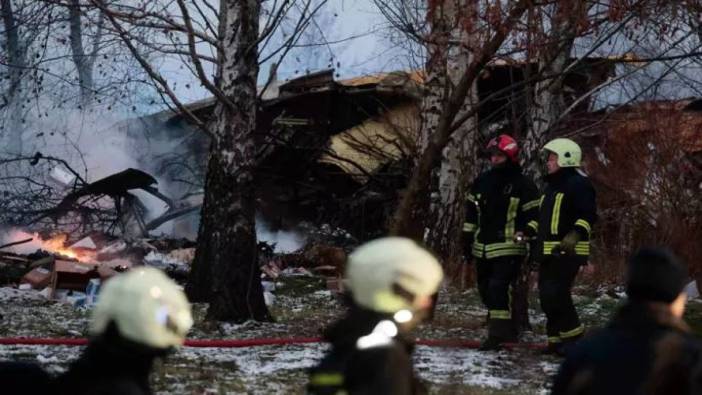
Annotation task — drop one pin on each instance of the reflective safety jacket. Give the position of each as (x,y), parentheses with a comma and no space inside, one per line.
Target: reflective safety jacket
(364,359)
(568,204)
(501,202)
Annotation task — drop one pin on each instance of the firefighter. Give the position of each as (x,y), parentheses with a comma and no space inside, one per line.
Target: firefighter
(140,316)
(500,204)
(566,216)
(647,348)
(391,282)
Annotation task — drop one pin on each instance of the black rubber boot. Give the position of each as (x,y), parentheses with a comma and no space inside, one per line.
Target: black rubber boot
(490,344)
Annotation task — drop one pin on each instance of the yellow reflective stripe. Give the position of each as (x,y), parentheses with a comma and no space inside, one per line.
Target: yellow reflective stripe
(326,379)
(556,214)
(470,198)
(584,224)
(499,246)
(511,217)
(495,250)
(581,248)
(478,249)
(541,200)
(508,252)
(469,227)
(531,205)
(574,332)
(548,246)
(534,225)
(554,339)
(500,314)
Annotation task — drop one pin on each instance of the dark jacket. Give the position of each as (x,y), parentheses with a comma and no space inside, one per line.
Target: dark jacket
(349,368)
(645,350)
(110,365)
(568,204)
(23,378)
(501,202)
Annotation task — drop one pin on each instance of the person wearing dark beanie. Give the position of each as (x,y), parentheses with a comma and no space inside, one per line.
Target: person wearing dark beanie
(647,348)
(655,275)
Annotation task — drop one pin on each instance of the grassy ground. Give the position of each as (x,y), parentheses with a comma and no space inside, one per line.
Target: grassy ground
(303,308)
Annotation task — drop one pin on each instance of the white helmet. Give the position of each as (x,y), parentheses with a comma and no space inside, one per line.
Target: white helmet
(146,306)
(377,270)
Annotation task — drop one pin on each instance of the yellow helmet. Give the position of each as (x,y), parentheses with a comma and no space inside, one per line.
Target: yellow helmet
(146,306)
(377,270)
(568,151)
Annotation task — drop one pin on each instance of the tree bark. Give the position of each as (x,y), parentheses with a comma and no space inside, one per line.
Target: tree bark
(16,55)
(548,102)
(225,271)
(410,208)
(446,209)
(80,58)
(545,107)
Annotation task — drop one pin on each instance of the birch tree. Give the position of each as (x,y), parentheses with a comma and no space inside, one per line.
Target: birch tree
(225,271)
(458,159)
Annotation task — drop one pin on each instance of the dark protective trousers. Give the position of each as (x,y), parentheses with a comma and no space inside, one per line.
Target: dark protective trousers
(556,277)
(495,278)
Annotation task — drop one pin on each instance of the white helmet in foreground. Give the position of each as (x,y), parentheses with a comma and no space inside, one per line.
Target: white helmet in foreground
(146,306)
(392,274)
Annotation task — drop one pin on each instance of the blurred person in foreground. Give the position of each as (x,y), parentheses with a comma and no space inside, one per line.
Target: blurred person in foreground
(391,282)
(140,316)
(647,348)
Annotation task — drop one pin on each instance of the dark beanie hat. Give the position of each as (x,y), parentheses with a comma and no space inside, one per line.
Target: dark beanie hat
(655,275)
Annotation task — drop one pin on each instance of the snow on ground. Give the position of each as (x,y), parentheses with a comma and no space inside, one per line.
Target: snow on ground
(302,308)
(270,369)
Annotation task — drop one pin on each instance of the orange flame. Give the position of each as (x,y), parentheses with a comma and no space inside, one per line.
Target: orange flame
(56,245)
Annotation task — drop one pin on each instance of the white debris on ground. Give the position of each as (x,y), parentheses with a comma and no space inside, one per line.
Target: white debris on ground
(180,258)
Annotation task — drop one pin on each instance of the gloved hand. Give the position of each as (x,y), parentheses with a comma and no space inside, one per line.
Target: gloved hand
(568,243)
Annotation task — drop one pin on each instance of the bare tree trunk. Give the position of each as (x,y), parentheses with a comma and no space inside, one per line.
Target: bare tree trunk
(447,204)
(80,58)
(226,255)
(16,55)
(435,94)
(549,101)
(410,207)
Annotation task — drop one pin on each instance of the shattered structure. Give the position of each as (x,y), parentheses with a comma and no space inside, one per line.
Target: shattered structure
(338,152)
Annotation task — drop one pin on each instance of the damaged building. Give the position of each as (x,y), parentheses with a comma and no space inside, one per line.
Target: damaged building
(332,151)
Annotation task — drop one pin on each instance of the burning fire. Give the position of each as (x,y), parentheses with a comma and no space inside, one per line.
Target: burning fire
(55,245)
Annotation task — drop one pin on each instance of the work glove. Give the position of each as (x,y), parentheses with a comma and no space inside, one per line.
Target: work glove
(568,243)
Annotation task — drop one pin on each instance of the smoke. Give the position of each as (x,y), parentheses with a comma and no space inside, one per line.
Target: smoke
(285,240)
(95,144)
(10,235)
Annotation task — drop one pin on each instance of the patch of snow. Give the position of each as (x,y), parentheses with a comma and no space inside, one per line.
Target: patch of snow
(692,291)
(14,295)
(465,366)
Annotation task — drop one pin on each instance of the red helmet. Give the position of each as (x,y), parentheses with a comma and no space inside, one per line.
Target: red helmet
(506,145)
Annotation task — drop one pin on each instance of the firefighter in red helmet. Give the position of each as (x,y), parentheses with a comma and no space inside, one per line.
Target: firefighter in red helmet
(499,205)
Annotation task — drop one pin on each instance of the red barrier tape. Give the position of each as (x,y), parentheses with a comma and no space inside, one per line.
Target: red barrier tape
(232,343)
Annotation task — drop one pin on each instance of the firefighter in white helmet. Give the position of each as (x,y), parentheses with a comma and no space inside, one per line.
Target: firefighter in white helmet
(391,282)
(140,315)
(567,213)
